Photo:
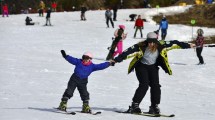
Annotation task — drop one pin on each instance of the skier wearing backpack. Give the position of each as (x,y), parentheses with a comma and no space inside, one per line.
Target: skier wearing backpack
(147,56)
(83,68)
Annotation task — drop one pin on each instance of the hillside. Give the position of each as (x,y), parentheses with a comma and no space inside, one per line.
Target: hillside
(203,14)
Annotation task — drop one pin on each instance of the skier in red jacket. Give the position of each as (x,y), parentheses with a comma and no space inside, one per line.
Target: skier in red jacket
(139,26)
(5,10)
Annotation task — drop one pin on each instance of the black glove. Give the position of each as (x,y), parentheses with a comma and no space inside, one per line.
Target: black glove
(112,63)
(142,27)
(63,53)
(157,31)
(134,27)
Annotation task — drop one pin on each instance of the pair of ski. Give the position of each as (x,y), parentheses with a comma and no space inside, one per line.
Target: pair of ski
(147,114)
(74,112)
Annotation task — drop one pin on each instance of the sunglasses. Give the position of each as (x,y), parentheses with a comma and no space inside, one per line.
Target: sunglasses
(85,57)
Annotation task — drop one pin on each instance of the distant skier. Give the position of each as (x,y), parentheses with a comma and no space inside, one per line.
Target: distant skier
(54,7)
(119,33)
(108,16)
(48,17)
(132,17)
(115,9)
(199,45)
(163,26)
(145,3)
(5,10)
(41,8)
(83,10)
(28,21)
(139,26)
(79,79)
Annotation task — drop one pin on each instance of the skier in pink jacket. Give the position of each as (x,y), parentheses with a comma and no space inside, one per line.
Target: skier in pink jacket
(117,33)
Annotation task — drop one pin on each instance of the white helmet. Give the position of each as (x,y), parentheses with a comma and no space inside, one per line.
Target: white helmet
(89,54)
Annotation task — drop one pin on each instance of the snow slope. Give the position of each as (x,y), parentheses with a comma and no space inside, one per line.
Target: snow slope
(34,75)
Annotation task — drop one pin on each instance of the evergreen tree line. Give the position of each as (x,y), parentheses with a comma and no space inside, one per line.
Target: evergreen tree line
(70,5)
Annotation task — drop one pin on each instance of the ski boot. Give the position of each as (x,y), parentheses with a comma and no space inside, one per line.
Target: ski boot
(134,108)
(86,108)
(154,109)
(63,104)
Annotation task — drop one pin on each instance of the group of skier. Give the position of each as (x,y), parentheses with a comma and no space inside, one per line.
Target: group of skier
(147,56)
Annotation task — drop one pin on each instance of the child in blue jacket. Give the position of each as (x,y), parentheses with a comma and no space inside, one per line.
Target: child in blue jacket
(83,68)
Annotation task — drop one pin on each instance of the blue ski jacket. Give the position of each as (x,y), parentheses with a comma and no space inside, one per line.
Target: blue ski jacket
(163,24)
(83,71)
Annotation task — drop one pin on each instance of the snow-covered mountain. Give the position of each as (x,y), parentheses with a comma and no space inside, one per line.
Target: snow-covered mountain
(33,74)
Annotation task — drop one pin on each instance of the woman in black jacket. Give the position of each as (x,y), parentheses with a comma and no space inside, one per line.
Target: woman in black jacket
(149,54)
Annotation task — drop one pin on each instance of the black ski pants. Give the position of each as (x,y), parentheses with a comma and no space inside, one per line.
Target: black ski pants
(163,33)
(147,75)
(198,53)
(81,84)
(107,21)
(114,15)
(48,21)
(140,29)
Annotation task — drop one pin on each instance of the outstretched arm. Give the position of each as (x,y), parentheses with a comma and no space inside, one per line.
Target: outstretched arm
(70,59)
(63,53)
(182,45)
(125,53)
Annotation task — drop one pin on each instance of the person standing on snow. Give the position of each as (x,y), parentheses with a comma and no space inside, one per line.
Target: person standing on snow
(41,8)
(119,33)
(199,45)
(83,10)
(5,10)
(83,68)
(115,8)
(54,7)
(147,56)
(108,16)
(48,17)
(163,26)
(139,26)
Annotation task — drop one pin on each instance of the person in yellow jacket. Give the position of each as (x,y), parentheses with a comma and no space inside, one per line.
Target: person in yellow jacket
(41,8)
(148,55)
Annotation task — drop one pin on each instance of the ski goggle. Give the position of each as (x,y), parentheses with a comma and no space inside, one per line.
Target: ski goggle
(85,57)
